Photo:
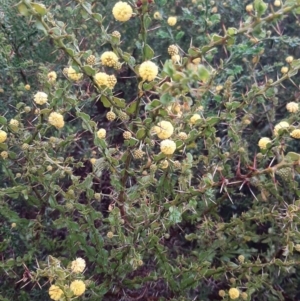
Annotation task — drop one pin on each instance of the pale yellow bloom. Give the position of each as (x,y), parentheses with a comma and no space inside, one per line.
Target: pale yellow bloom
(167,147)
(292,107)
(284,70)
(289,59)
(27,87)
(195,118)
(78,265)
(182,136)
(73,75)
(57,120)
(4,154)
(279,126)
(164,164)
(55,292)
(101,134)
(175,58)
(77,287)
(172,21)
(101,78)
(109,58)
(295,134)
(52,76)
(164,129)
(234,293)
(122,11)
(148,70)
(157,15)
(40,98)
(249,8)
(111,81)
(277,3)
(3,136)
(93,160)
(263,142)
(14,123)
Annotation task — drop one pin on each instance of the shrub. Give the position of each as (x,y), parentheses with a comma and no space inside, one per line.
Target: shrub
(151,154)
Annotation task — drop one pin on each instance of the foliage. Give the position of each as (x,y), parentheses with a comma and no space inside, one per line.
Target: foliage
(214,219)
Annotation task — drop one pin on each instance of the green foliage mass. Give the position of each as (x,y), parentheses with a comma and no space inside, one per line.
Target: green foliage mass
(215,210)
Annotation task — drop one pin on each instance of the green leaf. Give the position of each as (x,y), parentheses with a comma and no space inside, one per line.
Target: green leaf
(89,70)
(166,98)
(105,102)
(119,102)
(260,6)
(148,52)
(232,31)
(212,120)
(23,10)
(3,120)
(292,156)
(141,133)
(179,35)
(97,16)
(203,73)
(175,215)
(132,107)
(39,8)
(39,25)
(71,52)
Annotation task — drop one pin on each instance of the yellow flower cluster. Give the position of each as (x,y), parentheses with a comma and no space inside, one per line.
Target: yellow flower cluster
(122,11)
(195,118)
(3,136)
(182,136)
(77,287)
(164,129)
(172,21)
(4,154)
(40,98)
(284,70)
(127,135)
(279,126)
(57,120)
(78,265)
(73,75)
(263,142)
(103,79)
(14,123)
(295,134)
(234,293)
(157,15)
(101,134)
(289,59)
(148,71)
(167,147)
(175,58)
(292,107)
(52,76)
(55,292)
(109,58)
(164,164)
(27,87)
(172,50)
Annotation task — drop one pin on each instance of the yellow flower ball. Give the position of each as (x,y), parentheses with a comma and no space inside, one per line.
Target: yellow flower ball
(13,225)
(295,134)
(101,134)
(78,265)
(73,75)
(27,87)
(111,81)
(55,292)
(57,120)
(157,15)
(122,11)
(297,247)
(164,164)
(77,287)
(175,58)
(164,129)
(148,71)
(40,98)
(52,76)
(263,142)
(195,118)
(182,136)
(3,136)
(172,21)
(101,78)
(277,3)
(14,123)
(127,135)
(93,161)
(4,154)
(289,59)
(244,296)
(292,107)
(249,8)
(109,58)
(167,147)
(234,293)
(110,234)
(284,70)
(222,293)
(279,126)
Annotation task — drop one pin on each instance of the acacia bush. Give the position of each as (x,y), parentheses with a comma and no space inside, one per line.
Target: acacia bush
(149,150)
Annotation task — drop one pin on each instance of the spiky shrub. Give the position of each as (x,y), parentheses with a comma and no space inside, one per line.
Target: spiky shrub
(171,177)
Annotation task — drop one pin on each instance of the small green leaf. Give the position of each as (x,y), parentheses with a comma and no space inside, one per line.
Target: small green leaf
(203,73)
(141,133)
(105,102)
(132,107)
(89,70)
(97,16)
(39,8)
(292,156)
(148,52)
(232,31)
(23,10)
(3,120)
(166,98)
(260,6)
